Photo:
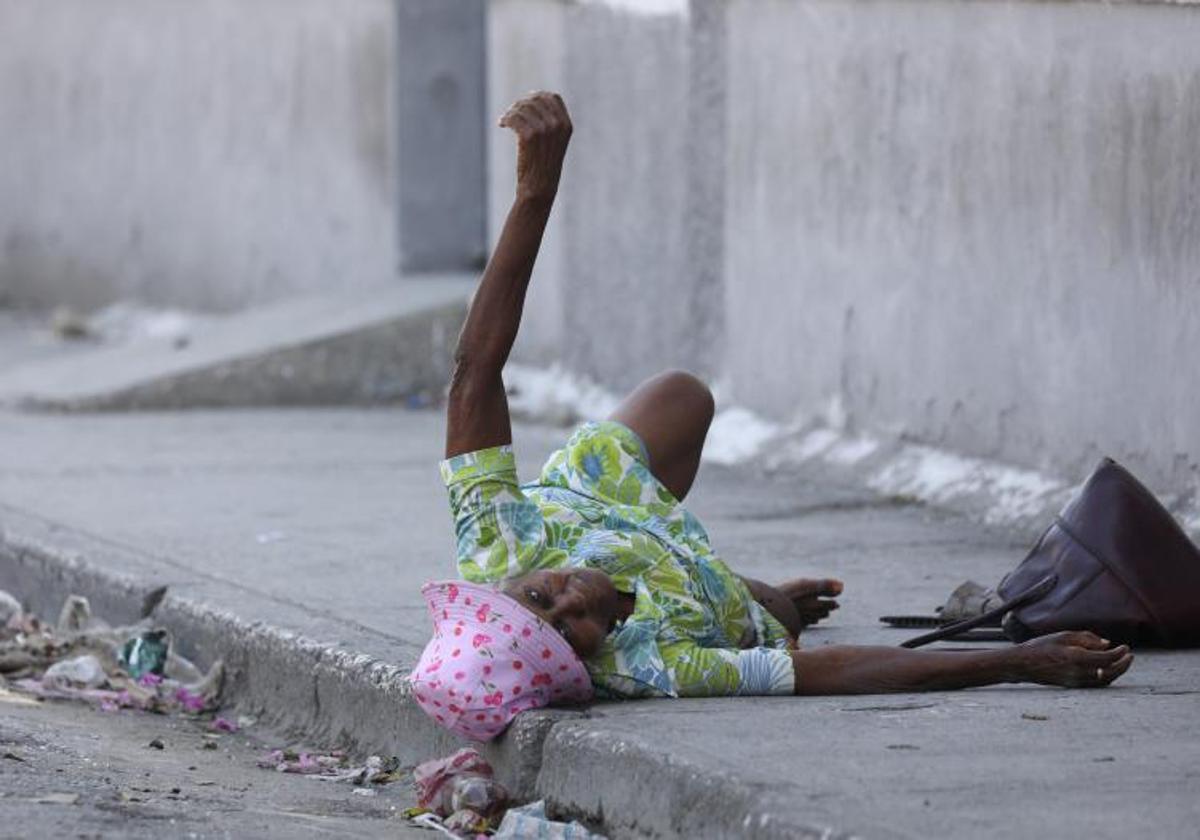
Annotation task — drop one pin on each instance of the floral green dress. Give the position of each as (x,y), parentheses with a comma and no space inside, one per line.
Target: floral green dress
(695,629)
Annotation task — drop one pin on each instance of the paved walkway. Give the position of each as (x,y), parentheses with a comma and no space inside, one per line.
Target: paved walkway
(324,523)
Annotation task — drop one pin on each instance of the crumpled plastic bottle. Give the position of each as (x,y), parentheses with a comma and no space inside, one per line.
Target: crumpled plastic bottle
(146,654)
(481,794)
(462,781)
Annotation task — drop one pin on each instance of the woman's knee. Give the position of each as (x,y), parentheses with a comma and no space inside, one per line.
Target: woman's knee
(686,389)
(671,413)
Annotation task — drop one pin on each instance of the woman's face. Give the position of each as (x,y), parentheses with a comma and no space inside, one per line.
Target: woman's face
(581,604)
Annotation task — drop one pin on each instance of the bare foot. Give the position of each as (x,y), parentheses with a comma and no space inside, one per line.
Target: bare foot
(812,597)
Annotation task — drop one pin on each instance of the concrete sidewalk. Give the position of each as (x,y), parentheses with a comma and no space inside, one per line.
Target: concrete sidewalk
(294,543)
(333,349)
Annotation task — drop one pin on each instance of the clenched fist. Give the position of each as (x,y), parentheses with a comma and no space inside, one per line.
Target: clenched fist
(543,129)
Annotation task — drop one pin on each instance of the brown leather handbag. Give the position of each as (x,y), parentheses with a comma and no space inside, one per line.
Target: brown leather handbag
(1114,561)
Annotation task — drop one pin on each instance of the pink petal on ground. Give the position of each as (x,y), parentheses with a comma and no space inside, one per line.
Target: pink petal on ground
(190,701)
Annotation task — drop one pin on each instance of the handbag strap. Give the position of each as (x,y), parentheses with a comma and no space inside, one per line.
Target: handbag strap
(1026,596)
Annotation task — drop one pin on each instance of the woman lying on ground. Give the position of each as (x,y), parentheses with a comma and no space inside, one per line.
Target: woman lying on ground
(605,582)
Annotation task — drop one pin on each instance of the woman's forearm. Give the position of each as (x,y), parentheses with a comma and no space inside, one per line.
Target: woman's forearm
(495,314)
(543,128)
(877,670)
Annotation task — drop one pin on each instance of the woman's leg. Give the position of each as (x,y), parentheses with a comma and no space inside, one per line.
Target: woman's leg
(671,413)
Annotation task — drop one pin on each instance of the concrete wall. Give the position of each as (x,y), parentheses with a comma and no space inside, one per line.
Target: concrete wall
(974,225)
(219,153)
(526,50)
(630,268)
(440,60)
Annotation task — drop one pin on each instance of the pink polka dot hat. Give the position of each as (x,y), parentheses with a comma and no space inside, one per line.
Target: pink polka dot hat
(489,659)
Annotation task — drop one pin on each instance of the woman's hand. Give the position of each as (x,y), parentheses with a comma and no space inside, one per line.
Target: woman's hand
(812,599)
(1074,659)
(543,129)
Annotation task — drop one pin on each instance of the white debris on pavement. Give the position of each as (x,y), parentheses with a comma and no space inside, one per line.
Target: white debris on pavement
(529,822)
(79,672)
(805,447)
(941,477)
(849,451)
(1000,494)
(646,7)
(126,322)
(738,435)
(552,395)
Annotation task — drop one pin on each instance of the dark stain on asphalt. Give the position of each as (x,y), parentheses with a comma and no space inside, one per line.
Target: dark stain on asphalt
(897,707)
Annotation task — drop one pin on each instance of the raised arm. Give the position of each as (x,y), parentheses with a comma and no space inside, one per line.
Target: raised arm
(477,408)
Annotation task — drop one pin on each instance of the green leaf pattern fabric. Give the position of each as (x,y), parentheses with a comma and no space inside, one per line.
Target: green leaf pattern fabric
(695,629)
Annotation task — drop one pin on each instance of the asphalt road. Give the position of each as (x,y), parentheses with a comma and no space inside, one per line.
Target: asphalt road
(69,770)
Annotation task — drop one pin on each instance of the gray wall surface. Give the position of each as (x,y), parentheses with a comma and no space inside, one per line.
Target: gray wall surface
(526,49)
(440,78)
(221,153)
(975,225)
(630,268)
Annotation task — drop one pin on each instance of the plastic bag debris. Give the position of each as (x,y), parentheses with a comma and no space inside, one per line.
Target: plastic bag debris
(461,824)
(9,607)
(335,767)
(146,654)
(16,663)
(304,763)
(19,626)
(529,822)
(428,819)
(80,672)
(458,794)
(190,701)
(464,778)
(467,823)
(74,617)
(380,771)
(82,659)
